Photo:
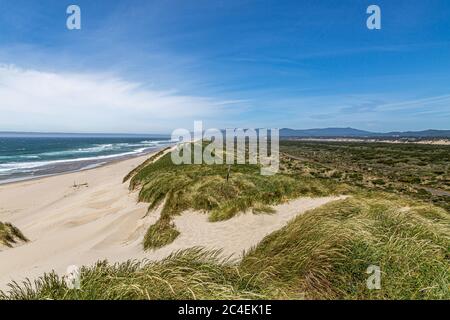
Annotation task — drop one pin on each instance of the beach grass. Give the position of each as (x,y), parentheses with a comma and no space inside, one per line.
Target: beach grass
(161,233)
(323,254)
(10,235)
(144,164)
(206,188)
(190,274)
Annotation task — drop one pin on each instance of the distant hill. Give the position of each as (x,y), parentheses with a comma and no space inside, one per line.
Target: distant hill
(351,132)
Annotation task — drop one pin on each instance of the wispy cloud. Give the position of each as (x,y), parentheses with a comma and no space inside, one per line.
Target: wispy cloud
(387,105)
(436,101)
(38,100)
(371,105)
(379,112)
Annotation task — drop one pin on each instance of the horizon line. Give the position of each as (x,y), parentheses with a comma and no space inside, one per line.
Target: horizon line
(168,134)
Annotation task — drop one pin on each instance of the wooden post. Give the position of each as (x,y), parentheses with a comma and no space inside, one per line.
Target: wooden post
(228,172)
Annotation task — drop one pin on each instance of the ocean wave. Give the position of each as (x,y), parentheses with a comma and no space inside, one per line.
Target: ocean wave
(20,157)
(13,167)
(94,149)
(159,142)
(10,165)
(105,148)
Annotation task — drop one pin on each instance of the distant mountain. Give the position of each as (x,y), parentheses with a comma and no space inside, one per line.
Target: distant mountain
(351,132)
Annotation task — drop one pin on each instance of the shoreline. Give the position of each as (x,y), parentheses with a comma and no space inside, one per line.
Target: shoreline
(69,224)
(90,165)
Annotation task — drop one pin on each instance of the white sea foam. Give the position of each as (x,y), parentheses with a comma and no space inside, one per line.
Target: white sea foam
(20,166)
(96,148)
(122,149)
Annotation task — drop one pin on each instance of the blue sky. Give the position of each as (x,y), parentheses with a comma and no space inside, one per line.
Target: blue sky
(153,66)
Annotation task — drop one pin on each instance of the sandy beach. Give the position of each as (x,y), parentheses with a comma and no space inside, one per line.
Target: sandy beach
(80,218)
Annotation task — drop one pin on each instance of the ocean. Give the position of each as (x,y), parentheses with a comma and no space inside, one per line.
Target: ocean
(25,156)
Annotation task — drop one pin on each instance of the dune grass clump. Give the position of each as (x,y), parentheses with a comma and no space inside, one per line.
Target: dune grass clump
(206,188)
(10,235)
(325,253)
(145,163)
(191,274)
(161,233)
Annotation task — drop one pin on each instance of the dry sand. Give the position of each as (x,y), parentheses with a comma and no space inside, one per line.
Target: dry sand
(80,225)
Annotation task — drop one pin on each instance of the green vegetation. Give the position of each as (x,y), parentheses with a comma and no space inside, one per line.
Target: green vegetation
(323,254)
(10,235)
(206,188)
(419,171)
(144,164)
(191,274)
(160,234)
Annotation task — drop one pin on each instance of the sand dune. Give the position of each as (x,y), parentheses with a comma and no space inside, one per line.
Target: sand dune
(100,219)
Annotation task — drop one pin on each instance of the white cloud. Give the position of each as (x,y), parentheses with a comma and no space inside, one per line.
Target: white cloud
(32,100)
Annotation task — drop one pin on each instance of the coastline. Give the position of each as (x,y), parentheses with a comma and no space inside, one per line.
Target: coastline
(68,224)
(89,165)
